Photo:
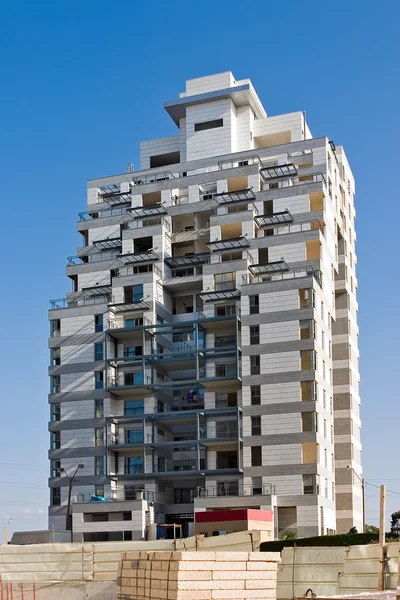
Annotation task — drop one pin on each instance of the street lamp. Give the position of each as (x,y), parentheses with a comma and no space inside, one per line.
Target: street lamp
(68,520)
(363,494)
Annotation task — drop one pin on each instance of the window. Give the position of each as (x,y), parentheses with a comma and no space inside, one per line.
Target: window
(225,311)
(160,432)
(56,356)
(306,329)
(99,517)
(254,334)
(308,391)
(134,436)
(209,125)
(99,465)
(324,369)
(309,421)
(99,380)
(323,340)
(55,440)
(55,412)
(132,351)
(98,352)
(134,464)
(55,328)
(255,394)
(99,436)
(306,298)
(255,425)
(99,408)
(254,305)
(133,378)
(99,491)
(225,399)
(255,365)
(133,293)
(324,398)
(134,322)
(55,496)
(98,323)
(159,319)
(256,456)
(55,467)
(224,281)
(55,384)
(308,359)
(309,484)
(134,407)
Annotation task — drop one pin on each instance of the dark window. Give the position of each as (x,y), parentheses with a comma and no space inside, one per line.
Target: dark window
(99,465)
(55,496)
(99,408)
(256,483)
(127,516)
(309,484)
(99,517)
(133,293)
(55,468)
(255,425)
(256,460)
(309,421)
(132,351)
(254,334)
(308,390)
(98,352)
(98,323)
(209,125)
(255,365)
(99,380)
(55,412)
(254,305)
(127,536)
(56,356)
(255,393)
(55,384)
(55,326)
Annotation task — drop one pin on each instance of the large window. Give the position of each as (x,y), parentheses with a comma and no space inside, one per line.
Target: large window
(255,365)
(134,322)
(256,456)
(55,384)
(55,467)
(306,298)
(254,334)
(134,407)
(309,421)
(133,378)
(132,351)
(255,395)
(224,281)
(254,305)
(308,359)
(308,390)
(98,352)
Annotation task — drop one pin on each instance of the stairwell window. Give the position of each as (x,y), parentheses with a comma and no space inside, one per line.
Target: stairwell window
(99,465)
(255,365)
(254,334)
(99,436)
(98,323)
(256,425)
(55,496)
(254,304)
(99,408)
(256,456)
(98,352)
(209,125)
(255,395)
(99,380)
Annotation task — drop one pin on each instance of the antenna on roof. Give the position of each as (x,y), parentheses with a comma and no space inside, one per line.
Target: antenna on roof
(129,167)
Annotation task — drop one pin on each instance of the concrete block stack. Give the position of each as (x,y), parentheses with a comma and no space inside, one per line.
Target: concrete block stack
(198,575)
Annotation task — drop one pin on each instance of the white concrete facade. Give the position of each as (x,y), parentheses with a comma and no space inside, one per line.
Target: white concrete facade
(209,346)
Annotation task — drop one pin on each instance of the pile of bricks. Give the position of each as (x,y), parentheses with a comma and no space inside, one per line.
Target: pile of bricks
(198,575)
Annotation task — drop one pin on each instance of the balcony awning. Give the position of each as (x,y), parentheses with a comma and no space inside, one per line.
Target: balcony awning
(226,245)
(246,195)
(122,307)
(111,194)
(277,218)
(135,258)
(143,212)
(278,171)
(107,243)
(272,267)
(186,260)
(97,290)
(214,296)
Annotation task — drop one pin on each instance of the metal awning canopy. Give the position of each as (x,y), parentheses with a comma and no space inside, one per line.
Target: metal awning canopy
(175,262)
(97,290)
(246,195)
(122,307)
(277,218)
(226,245)
(135,258)
(111,194)
(214,296)
(272,267)
(278,171)
(142,212)
(108,243)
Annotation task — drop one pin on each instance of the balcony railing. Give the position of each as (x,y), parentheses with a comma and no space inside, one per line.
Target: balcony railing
(123,496)
(83,301)
(222,371)
(235,489)
(152,177)
(223,431)
(283,275)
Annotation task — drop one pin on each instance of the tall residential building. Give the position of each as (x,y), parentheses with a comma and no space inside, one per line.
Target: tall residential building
(207,355)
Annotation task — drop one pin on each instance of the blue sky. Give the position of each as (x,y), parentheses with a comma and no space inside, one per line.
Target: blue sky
(83,82)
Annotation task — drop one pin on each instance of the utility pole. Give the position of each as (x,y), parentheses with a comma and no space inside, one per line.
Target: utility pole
(363,495)
(382,529)
(68,518)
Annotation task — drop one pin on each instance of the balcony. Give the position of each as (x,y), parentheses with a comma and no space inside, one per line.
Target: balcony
(223,432)
(242,196)
(229,244)
(279,218)
(278,172)
(136,258)
(175,262)
(120,496)
(112,195)
(144,212)
(223,371)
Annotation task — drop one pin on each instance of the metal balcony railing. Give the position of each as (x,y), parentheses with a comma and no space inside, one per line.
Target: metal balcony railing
(223,431)
(122,496)
(235,489)
(281,275)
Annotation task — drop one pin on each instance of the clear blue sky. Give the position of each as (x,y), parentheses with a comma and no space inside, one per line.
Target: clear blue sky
(84,81)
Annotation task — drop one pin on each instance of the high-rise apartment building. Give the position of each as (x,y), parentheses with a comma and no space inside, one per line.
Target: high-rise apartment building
(207,356)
